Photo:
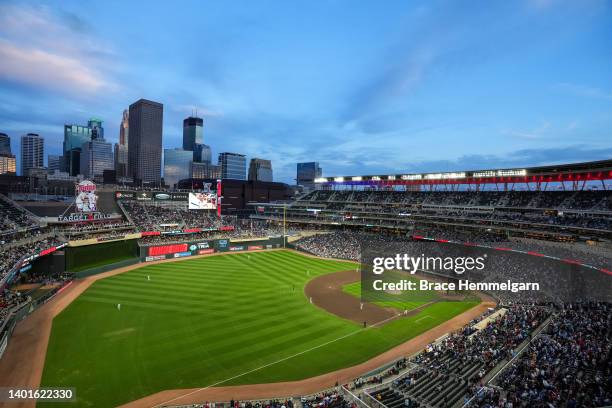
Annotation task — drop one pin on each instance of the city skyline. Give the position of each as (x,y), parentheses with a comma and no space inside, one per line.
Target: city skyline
(435,85)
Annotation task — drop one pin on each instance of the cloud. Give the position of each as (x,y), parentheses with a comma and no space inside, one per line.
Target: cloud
(530,134)
(43,51)
(41,68)
(584,91)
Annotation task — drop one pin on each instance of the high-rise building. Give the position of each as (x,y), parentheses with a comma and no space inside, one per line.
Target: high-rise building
(307,173)
(177,165)
(145,141)
(193,132)
(96,156)
(5,144)
(202,153)
(74,138)
(8,164)
(97,131)
(121,160)
(260,170)
(7,159)
(233,166)
(124,128)
(205,171)
(193,139)
(32,152)
(54,162)
(121,148)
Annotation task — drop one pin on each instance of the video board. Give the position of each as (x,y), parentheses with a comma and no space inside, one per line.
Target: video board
(202,201)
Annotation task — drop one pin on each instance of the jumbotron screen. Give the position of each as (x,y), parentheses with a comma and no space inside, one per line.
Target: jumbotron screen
(202,201)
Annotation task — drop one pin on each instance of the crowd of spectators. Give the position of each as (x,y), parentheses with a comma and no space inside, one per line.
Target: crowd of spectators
(326,400)
(10,258)
(577,200)
(379,378)
(448,370)
(12,218)
(570,365)
(153,216)
(538,211)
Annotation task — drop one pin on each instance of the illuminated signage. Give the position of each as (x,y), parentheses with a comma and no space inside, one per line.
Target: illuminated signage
(501,173)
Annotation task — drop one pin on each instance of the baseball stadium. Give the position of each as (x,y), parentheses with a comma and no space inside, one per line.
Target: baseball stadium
(239,294)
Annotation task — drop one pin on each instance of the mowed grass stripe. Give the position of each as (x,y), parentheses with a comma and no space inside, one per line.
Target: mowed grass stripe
(153,302)
(131,292)
(201,321)
(240,347)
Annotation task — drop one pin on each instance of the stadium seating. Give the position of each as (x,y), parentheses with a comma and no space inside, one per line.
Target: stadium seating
(564,214)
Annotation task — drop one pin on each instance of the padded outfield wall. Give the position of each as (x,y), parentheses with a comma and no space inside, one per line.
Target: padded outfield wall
(156,252)
(80,258)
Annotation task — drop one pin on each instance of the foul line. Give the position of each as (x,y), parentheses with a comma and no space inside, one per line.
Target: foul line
(274,362)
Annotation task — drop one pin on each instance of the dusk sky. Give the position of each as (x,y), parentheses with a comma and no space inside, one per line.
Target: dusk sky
(362,87)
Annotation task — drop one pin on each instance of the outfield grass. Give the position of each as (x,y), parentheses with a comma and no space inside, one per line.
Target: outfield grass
(201,321)
(406,300)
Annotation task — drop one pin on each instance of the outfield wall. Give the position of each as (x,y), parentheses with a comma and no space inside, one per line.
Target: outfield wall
(157,252)
(86,257)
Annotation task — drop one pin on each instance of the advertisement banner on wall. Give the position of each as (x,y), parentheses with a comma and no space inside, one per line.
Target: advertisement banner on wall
(155,258)
(144,196)
(199,245)
(204,247)
(166,249)
(222,244)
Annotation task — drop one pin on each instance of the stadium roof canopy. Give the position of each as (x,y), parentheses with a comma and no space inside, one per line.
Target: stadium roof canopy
(575,172)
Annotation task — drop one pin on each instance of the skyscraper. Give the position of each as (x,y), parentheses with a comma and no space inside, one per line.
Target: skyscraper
(96,156)
(121,148)
(124,128)
(260,170)
(97,131)
(7,164)
(233,166)
(193,139)
(193,132)
(145,141)
(7,160)
(121,160)
(202,153)
(307,173)
(32,152)
(5,144)
(74,138)
(177,165)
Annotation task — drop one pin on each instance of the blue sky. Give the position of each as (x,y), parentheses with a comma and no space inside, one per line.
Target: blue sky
(363,89)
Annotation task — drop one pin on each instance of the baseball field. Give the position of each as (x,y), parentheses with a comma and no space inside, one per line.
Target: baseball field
(213,321)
